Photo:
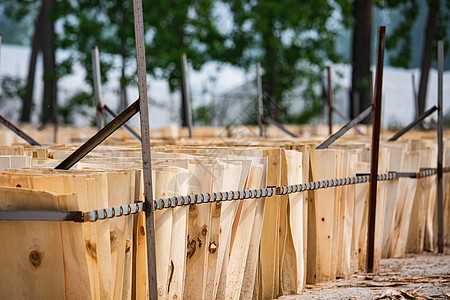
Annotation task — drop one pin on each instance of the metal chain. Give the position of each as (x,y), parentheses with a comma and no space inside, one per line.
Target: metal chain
(137,207)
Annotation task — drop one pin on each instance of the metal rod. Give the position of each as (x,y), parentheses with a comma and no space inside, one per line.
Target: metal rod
(440,187)
(279,126)
(130,130)
(186,93)
(99,137)
(343,117)
(146,154)
(41,215)
(414,123)
(375,150)
(97,87)
(330,102)
(260,109)
(18,131)
(345,128)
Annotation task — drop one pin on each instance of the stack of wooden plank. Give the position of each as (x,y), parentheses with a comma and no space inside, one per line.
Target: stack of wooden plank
(260,248)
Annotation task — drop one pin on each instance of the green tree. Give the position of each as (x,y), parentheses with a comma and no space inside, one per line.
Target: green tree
(437,26)
(172,27)
(43,41)
(293,41)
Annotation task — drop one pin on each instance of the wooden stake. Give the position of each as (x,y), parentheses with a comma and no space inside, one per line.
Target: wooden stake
(187,96)
(97,87)
(375,150)
(330,102)
(440,188)
(260,99)
(146,155)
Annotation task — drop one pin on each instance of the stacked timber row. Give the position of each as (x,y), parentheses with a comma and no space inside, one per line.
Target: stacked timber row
(259,248)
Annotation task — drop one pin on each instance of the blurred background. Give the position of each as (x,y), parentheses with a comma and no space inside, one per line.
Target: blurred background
(46,58)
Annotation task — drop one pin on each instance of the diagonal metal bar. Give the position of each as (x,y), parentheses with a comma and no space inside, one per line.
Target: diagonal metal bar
(278,125)
(340,114)
(413,124)
(130,130)
(99,137)
(18,131)
(346,128)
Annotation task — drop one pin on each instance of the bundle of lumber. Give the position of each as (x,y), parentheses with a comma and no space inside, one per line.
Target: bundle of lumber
(257,248)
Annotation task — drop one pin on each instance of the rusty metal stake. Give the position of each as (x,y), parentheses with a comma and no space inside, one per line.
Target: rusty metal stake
(414,123)
(375,150)
(18,131)
(146,154)
(130,130)
(99,137)
(346,128)
(440,187)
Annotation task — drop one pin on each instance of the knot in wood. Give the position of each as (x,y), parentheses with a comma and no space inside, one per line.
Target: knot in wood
(35,257)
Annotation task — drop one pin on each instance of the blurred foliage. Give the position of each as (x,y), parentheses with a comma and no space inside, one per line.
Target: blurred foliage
(401,35)
(80,104)
(12,89)
(292,40)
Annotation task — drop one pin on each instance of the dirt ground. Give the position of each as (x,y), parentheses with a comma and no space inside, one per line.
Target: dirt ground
(416,276)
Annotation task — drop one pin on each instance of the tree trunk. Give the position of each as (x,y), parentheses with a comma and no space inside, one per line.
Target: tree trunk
(361,52)
(123,87)
(48,50)
(270,81)
(183,109)
(426,57)
(27,100)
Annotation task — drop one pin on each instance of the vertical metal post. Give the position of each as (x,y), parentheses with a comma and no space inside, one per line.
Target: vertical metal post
(260,97)
(146,155)
(187,96)
(97,87)
(375,150)
(440,188)
(330,102)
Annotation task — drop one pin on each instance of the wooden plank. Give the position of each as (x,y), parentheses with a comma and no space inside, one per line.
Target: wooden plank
(349,202)
(32,258)
(325,211)
(178,249)
(200,181)
(164,187)
(416,231)
(232,181)
(407,189)
(269,236)
(119,188)
(98,193)
(239,253)
(74,253)
(251,283)
(397,152)
(296,219)
(361,197)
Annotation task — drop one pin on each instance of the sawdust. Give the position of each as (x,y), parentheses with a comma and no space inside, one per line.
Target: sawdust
(416,276)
